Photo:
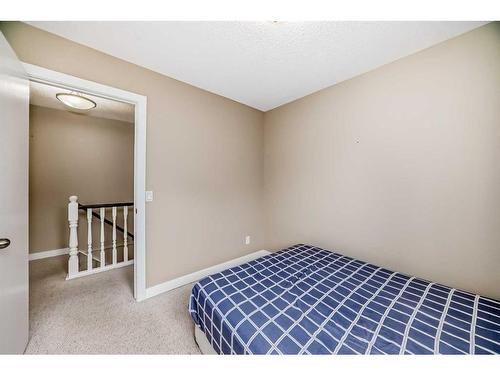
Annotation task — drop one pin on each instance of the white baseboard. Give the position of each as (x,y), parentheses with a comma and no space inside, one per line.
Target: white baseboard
(101,269)
(65,251)
(195,276)
(48,254)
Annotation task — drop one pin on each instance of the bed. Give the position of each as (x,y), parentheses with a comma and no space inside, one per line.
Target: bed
(306,300)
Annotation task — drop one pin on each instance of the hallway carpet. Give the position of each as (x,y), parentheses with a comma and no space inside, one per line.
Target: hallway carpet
(98,314)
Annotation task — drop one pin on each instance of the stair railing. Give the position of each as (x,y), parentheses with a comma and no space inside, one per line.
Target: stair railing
(74,265)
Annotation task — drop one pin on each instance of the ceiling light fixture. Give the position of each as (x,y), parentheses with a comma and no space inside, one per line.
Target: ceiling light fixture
(76,101)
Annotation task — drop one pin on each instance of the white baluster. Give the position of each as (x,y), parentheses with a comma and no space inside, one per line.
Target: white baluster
(103,255)
(89,239)
(125,234)
(73,235)
(114,234)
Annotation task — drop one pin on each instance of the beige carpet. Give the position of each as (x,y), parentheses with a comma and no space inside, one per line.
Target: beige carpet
(98,314)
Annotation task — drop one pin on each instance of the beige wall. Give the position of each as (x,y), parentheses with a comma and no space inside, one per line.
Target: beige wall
(204,157)
(399,166)
(73,154)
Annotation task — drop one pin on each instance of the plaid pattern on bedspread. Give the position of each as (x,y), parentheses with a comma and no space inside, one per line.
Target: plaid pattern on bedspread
(307,300)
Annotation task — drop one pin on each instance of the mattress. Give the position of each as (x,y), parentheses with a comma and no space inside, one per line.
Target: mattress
(306,300)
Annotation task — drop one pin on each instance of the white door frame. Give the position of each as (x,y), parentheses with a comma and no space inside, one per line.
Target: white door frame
(140,102)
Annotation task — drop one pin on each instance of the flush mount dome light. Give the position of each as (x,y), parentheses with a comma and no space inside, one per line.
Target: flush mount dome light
(76,101)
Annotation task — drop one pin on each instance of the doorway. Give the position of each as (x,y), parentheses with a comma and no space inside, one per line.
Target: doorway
(115,213)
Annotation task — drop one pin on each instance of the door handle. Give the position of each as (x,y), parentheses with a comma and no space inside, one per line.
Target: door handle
(4,242)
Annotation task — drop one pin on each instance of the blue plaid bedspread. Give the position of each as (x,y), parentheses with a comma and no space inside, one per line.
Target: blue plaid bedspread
(307,300)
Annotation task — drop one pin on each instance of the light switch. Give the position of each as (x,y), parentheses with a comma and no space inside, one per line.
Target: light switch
(149,196)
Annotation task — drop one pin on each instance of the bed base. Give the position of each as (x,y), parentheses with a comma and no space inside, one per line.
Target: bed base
(202,341)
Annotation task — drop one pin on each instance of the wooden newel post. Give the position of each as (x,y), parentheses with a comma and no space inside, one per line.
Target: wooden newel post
(73,235)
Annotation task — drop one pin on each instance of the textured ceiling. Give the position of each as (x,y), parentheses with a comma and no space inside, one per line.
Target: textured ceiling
(44,95)
(261,64)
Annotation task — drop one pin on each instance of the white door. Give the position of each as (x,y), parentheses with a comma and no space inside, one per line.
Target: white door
(14,124)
